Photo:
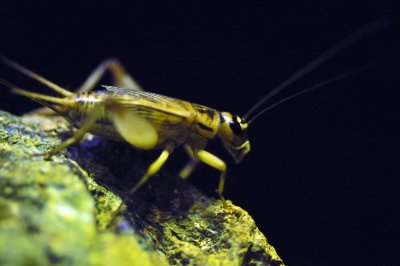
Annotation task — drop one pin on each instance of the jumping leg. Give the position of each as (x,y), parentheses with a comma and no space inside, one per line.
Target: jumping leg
(120,77)
(78,135)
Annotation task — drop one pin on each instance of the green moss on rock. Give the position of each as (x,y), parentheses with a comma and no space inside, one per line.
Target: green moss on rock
(56,211)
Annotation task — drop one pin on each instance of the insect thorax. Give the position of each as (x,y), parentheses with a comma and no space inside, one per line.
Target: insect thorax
(207,121)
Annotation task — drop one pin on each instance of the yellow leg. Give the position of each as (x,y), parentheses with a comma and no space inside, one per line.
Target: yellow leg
(188,169)
(152,170)
(120,76)
(215,162)
(120,79)
(78,135)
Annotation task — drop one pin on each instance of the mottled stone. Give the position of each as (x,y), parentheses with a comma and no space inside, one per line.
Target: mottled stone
(56,211)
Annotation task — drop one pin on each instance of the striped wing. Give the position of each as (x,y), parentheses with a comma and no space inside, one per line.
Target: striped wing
(144,115)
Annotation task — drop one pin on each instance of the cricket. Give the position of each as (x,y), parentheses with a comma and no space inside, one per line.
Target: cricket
(145,120)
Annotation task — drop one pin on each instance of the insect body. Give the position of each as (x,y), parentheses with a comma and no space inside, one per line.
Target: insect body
(143,119)
(149,121)
(156,120)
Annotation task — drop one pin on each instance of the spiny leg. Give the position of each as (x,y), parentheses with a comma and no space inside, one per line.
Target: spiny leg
(120,76)
(78,135)
(151,170)
(215,162)
(188,169)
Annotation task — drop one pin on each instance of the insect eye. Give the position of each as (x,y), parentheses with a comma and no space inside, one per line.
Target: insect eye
(235,127)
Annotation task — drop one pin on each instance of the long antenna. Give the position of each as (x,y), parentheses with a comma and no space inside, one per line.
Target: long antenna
(34,76)
(35,96)
(341,76)
(349,40)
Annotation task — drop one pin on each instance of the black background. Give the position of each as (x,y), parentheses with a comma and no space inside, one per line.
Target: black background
(322,178)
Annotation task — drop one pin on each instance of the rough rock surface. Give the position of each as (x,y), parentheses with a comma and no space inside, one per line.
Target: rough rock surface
(56,211)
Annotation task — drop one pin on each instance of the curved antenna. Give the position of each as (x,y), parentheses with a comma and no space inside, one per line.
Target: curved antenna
(341,76)
(34,76)
(349,40)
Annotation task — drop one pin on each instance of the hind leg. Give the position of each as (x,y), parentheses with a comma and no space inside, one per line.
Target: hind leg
(78,135)
(120,77)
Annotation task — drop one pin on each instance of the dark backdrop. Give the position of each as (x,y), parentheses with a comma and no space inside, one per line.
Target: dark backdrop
(322,178)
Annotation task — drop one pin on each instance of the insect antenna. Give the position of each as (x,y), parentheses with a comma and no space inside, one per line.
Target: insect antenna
(38,96)
(35,76)
(341,45)
(319,85)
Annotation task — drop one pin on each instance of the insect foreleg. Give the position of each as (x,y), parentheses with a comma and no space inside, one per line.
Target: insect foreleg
(215,162)
(78,135)
(121,78)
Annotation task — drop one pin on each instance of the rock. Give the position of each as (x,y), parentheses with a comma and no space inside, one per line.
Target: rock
(56,211)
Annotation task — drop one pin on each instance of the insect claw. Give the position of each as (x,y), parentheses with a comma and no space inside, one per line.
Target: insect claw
(45,156)
(222,198)
(34,155)
(224,203)
(114,216)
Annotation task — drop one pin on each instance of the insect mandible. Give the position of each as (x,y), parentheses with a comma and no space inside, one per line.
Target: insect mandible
(145,120)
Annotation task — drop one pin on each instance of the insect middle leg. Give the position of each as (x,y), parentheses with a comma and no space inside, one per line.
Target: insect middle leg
(188,169)
(151,170)
(121,78)
(215,162)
